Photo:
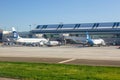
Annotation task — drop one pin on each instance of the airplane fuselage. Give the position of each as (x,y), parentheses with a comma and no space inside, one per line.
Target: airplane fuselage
(92,42)
(31,40)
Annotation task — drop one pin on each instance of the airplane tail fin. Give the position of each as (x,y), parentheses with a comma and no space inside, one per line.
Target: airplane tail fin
(89,40)
(15,33)
(87,35)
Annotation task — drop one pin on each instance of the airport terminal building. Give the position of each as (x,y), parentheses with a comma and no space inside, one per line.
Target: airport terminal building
(109,31)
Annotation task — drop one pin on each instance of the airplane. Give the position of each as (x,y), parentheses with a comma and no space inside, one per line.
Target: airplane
(92,42)
(19,39)
(33,41)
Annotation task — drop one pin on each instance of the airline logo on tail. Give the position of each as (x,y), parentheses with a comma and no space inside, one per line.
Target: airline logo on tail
(89,40)
(88,37)
(15,34)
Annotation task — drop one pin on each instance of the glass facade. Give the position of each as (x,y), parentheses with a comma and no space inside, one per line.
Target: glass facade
(86,26)
(82,27)
(59,26)
(77,26)
(68,26)
(38,27)
(51,27)
(44,27)
(105,25)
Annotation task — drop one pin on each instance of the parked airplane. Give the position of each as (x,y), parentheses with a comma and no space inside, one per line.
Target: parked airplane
(19,39)
(33,41)
(92,42)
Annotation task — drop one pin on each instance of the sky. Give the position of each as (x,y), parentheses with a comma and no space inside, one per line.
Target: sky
(25,15)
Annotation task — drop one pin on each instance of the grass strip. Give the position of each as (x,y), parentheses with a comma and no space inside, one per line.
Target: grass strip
(44,71)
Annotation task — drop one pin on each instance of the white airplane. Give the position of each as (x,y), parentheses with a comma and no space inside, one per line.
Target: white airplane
(92,42)
(19,39)
(40,41)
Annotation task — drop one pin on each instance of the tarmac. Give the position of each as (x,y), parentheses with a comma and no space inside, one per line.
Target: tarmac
(96,56)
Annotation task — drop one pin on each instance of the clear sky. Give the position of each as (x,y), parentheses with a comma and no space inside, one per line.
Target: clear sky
(22,13)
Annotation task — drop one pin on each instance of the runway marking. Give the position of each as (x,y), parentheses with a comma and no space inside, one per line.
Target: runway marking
(67,60)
